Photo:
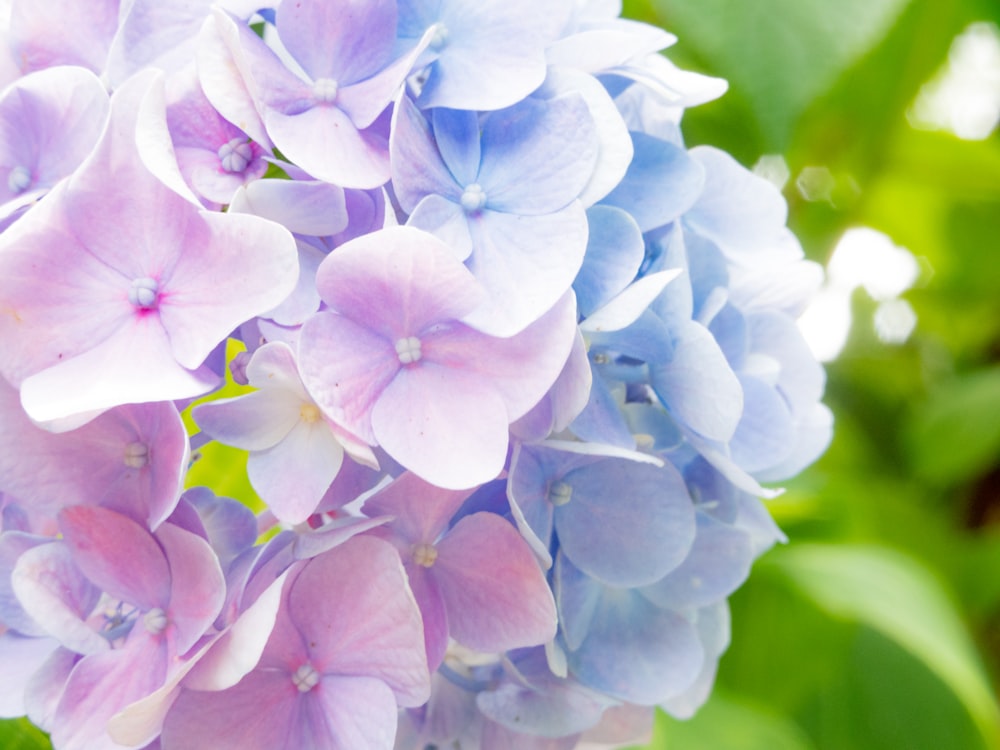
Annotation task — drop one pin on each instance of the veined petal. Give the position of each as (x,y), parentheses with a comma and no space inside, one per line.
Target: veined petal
(538,155)
(134,365)
(52,590)
(255,421)
(422,277)
(346,712)
(353,606)
(429,414)
(346,40)
(418,169)
(623,522)
(421,510)
(118,555)
(329,146)
(233,267)
(494,591)
(292,476)
(258,713)
(197,588)
(345,368)
(526,264)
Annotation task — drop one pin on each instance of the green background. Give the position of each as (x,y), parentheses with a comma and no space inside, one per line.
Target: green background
(878,626)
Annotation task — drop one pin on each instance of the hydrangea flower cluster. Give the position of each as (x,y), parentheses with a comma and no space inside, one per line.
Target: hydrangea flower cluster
(517,362)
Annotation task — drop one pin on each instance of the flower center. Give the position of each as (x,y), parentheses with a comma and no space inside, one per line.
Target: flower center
(18,180)
(408,350)
(440,38)
(325,90)
(136,455)
(560,493)
(235,155)
(309,413)
(473,198)
(305,678)
(155,621)
(144,293)
(424,554)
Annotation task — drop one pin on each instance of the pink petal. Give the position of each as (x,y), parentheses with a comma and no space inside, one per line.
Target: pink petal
(429,414)
(52,590)
(421,510)
(197,588)
(325,143)
(292,476)
(397,282)
(259,713)
(493,589)
(353,606)
(253,422)
(522,367)
(58,300)
(134,365)
(224,73)
(102,684)
(231,268)
(346,712)
(118,555)
(345,367)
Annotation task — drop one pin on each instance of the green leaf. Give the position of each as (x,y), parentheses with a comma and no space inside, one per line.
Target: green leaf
(732,723)
(896,596)
(781,54)
(956,434)
(20,734)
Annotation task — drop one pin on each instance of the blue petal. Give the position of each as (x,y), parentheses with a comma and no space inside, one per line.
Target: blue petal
(661,184)
(698,386)
(626,523)
(718,563)
(637,652)
(614,254)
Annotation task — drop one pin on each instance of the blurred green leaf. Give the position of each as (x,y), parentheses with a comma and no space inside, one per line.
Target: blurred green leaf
(781,54)
(956,434)
(885,699)
(898,597)
(20,734)
(730,723)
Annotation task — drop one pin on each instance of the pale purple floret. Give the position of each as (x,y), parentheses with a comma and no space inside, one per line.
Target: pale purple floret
(49,122)
(116,291)
(325,114)
(502,190)
(484,55)
(295,452)
(393,363)
(131,459)
(163,34)
(346,651)
(476,581)
(169,589)
(214,155)
(62,32)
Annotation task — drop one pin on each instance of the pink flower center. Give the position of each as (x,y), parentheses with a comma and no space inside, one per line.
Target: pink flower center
(408,350)
(425,555)
(144,293)
(305,678)
(136,455)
